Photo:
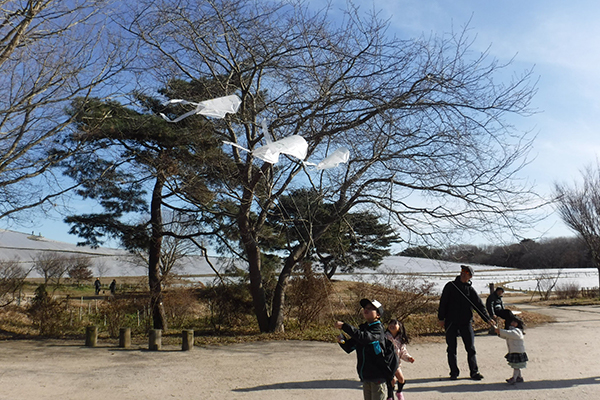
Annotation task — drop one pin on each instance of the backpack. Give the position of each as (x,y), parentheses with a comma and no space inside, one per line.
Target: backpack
(388,359)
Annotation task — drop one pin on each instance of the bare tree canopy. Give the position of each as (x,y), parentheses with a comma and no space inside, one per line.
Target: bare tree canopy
(579,208)
(12,279)
(51,51)
(51,266)
(425,119)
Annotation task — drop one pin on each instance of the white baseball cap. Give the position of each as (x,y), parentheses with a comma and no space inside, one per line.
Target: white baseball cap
(374,303)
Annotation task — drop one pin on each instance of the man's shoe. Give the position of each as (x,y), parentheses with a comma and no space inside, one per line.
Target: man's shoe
(520,379)
(453,377)
(477,377)
(511,381)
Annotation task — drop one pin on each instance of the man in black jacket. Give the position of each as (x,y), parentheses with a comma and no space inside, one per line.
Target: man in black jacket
(455,314)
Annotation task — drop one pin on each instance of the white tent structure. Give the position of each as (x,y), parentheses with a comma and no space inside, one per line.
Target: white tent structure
(116,262)
(25,248)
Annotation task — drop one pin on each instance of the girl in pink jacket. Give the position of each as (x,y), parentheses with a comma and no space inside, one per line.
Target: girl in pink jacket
(397,334)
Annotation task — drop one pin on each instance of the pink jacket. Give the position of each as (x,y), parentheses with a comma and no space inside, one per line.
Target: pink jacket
(399,347)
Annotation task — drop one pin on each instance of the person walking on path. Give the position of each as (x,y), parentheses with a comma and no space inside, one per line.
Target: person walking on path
(495,307)
(516,356)
(97,286)
(366,340)
(455,315)
(113,287)
(397,334)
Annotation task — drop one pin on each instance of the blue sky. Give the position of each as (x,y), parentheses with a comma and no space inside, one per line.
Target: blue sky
(559,39)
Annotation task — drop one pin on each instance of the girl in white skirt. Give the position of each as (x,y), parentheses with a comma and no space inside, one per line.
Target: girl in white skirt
(516,356)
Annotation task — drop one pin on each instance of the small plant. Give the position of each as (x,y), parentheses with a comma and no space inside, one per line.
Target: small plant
(401,296)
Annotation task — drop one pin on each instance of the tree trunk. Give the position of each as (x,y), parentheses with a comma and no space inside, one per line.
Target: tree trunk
(257,290)
(154,279)
(254,269)
(276,320)
(330,271)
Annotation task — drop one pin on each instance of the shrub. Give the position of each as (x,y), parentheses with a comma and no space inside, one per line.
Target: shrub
(121,313)
(401,296)
(228,304)
(546,282)
(12,280)
(179,306)
(589,293)
(307,296)
(567,290)
(51,317)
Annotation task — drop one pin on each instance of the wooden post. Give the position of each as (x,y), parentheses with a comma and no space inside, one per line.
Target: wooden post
(91,336)
(155,339)
(125,337)
(188,339)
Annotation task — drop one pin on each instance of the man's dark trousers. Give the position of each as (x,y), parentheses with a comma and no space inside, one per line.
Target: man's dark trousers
(453,330)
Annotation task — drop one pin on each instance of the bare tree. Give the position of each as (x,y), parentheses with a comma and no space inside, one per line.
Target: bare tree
(545,284)
(52,266)
(424,120)
(12,279)
(101,267)
(51,51)
(579,208)
(174,247)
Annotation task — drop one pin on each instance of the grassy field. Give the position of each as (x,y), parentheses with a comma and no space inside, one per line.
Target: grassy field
(193,308)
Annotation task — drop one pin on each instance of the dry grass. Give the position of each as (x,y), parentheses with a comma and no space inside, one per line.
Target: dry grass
(342,304)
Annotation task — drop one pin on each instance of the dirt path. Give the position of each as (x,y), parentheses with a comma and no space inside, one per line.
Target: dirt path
(564,364)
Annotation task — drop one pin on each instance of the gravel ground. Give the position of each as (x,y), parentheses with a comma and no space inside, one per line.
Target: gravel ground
(564,364)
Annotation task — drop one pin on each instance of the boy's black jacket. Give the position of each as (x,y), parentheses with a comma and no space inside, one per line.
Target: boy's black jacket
(369,341)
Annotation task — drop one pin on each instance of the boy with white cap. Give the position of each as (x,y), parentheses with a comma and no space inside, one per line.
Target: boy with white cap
(366,340)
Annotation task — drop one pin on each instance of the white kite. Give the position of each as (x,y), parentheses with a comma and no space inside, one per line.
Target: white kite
(340,155)
(216,108)
(294,145)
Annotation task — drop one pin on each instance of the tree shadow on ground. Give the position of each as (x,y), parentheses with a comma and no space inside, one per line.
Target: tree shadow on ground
(498,386)
(414,385)
(320,384)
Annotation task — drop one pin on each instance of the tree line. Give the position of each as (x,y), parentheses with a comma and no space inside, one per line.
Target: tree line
(562,252)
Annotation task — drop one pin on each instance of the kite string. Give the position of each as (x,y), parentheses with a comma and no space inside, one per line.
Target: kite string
(353,319)
(310,244)
(483,316)
(306,225)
